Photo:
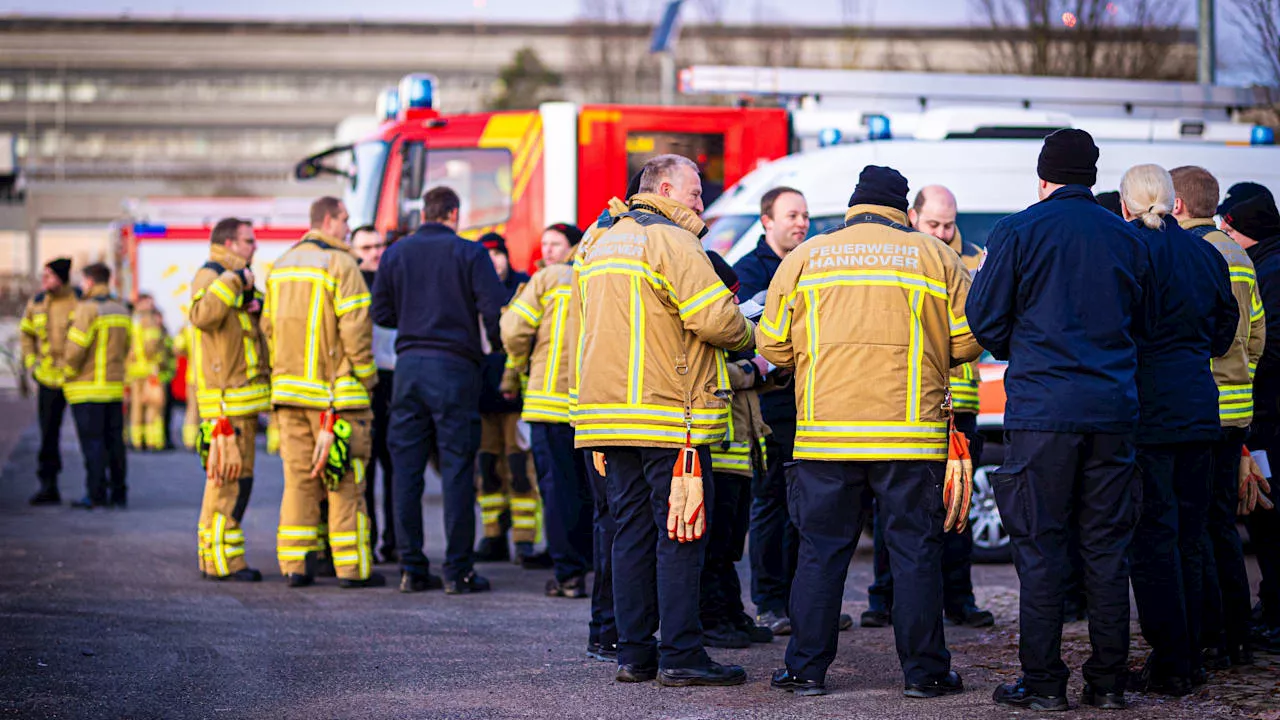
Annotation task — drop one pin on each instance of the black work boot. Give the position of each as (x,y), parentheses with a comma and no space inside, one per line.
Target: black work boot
(492,549)
(724,635)
(243,575)
(713,675)
(755,633)
(574,587)
(1019,695)
(604,652)
(949,684)
(469,583)
(530,560)
(971,616)
(48,494)
(415,582)
(374,580)
(783,679)
(876,618)
(298,580)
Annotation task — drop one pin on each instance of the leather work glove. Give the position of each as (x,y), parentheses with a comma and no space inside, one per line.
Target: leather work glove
(324,443)
(957,489)
(598,461)
(224,461)
(1253,486)
(686,515)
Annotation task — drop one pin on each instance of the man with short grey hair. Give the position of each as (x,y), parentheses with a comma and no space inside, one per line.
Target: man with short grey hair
(675,177)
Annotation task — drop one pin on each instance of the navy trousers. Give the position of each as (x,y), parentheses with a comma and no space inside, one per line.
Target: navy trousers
(603,628)
(827,502)
(435,409)
(957,548)
(773,535)
(566,498)
(1048,482)
(1264,527)
(655,580)
(1167,557)
(721,594)
(51,405)
(100,428)
(380,404)
(1226,582)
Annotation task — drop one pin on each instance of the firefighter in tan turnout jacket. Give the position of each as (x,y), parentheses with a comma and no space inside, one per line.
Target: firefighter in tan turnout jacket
(97,345)
(228,361)
(320,336)
(877,296)
(653,390)
(43,332)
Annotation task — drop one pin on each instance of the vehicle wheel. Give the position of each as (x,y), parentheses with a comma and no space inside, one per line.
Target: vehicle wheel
(990,541)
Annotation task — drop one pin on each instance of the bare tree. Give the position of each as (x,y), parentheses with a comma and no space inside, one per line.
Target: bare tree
(1260,21)
(611,60)
(1088,38)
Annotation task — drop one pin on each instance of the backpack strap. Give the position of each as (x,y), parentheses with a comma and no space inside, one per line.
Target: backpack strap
(873,219)
(217,268)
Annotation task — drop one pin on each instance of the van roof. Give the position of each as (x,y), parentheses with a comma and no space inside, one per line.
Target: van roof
(991,176)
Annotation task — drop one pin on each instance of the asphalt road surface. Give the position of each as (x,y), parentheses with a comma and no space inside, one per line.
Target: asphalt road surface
(103,615)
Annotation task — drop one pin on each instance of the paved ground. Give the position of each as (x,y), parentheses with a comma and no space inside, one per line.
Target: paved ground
(102,615)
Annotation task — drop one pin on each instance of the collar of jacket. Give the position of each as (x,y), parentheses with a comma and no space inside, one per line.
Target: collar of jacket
(765,251)
(957,242)
(1196,222)
(63,291)
(885,212)
(331,242)
(1264,249)
(671,210)
(1071,192)
(98,291)
(224,257)
(616,206)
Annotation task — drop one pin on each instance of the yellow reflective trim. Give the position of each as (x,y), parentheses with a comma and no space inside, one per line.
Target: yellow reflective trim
(353,303)
(875,278)
(223,293)
(702,299)
(635,355)
(915,357)
(811,316)
(526,311)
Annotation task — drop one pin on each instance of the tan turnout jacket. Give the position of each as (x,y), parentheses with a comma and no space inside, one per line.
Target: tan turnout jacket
(653,316)
(228,352)
(43,331)
(872,319)
(97,345)
(537,330)
(318,329)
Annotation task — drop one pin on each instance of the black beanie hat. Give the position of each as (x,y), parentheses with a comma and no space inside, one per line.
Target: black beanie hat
(61,267)
(494,241)
(1111,201)
(633,187)
(1069,157)
(571,232)
(1256,218)
(725,272)
(1240,192)
(878,185)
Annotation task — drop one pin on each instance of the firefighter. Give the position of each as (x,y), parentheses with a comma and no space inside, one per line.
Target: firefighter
(233,381)
(536,332)
(736,460)
(1071,414)
(934,212)
(889,302)
(505,475)
(143,370)
(43,331)
(320,339)
(1225,629)
(97,346)
(651,392)
(1250,217)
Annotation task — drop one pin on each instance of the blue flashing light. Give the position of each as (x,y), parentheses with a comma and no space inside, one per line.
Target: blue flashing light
(1262,135)
(418,92)
(878,128)
(829,136)
(388,104)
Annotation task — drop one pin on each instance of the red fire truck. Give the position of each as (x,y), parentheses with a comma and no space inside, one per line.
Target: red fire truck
(517,172)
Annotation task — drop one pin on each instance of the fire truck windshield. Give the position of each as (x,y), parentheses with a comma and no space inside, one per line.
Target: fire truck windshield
(362,192)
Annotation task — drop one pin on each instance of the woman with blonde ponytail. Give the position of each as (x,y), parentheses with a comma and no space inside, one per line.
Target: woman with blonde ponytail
(1191,317)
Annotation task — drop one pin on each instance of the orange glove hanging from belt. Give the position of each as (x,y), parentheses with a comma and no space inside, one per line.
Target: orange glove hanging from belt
(957,489)
(1253,486)
(686,515)
(224,461)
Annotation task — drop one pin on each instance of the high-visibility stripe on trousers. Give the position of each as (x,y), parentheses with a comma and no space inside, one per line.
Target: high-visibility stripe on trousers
(348,521)
(221,540)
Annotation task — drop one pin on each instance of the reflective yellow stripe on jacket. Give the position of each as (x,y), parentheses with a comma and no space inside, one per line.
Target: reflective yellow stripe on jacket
(99,389)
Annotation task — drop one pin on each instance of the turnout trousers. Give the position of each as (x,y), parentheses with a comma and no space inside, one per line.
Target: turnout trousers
(434,411)
(603,627)
(1166,555)
(51,406)
(100,429)
(827,504)
(505,473)
(1049,481)
(773,535)
(348,521)
(655,579)
(220,539)
(566,495)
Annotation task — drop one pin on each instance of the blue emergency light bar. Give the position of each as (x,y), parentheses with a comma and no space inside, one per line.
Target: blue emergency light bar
(388,107)
(1262,135)
(878,127)
(417,92)
(829,136)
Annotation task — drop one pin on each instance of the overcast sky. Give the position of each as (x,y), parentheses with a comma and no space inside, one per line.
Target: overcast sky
(790,12)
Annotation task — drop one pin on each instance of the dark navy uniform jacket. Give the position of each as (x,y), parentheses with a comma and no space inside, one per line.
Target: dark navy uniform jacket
(1060,296)
(1266,382)
(755,271)
(1191,317)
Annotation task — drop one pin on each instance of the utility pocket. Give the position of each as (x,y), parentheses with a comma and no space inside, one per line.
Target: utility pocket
(361,440)
(1008,485)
